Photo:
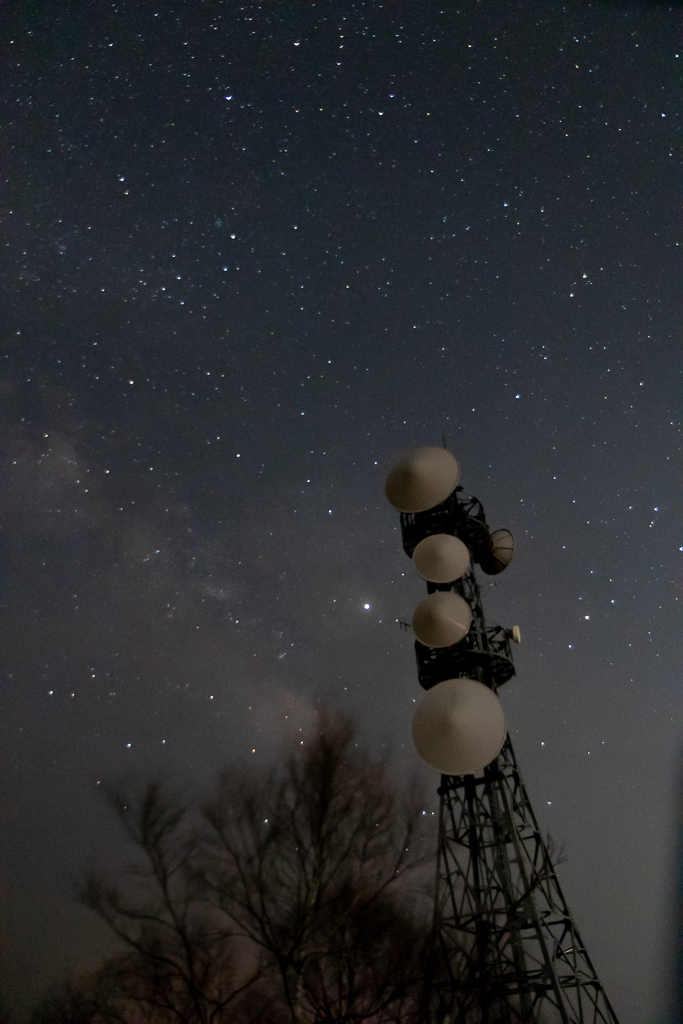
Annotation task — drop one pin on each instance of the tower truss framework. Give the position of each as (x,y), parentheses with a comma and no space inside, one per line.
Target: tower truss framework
(505,949)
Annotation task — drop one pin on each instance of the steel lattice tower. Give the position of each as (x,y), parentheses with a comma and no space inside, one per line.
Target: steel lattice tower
(505,949)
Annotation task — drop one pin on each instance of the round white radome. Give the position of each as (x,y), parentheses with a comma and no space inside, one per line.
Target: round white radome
(421,479)
(459,727)
(441,558)
(442,619)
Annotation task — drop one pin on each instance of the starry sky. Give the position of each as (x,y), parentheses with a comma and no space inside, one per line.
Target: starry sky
(254,251)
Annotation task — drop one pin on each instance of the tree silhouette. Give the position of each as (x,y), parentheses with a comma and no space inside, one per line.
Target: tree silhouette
(311,869)
(289,897)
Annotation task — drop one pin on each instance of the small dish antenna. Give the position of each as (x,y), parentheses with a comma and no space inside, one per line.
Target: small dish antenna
(499,555)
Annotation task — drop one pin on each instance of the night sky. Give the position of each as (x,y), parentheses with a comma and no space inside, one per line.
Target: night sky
(253,252)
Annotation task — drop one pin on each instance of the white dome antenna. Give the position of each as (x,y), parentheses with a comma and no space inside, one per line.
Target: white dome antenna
(459,727)
(422,479)
(441,558)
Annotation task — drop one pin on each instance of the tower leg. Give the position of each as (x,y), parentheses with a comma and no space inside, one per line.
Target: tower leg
(505,949)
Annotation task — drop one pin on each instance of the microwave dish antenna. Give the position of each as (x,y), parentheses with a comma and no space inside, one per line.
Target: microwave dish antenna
(499,556)
(442,619)
(441,558)
(422,479)
(459,727)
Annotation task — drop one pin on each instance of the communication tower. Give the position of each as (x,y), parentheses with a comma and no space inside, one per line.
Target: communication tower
(505,949)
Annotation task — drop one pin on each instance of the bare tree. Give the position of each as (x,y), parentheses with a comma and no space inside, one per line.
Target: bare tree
(311,868)
(179,961)
(284,900)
